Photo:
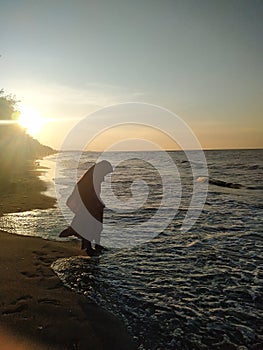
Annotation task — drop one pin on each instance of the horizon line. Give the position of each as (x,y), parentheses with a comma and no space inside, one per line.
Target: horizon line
(165,150)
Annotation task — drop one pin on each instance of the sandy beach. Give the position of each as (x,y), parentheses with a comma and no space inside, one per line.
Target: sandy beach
(24,191)
(36,307)
(37,310)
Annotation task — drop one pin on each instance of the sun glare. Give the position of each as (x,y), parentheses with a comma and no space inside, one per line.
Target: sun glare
(31,120)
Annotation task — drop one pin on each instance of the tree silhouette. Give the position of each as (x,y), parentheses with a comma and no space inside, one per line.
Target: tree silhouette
(8,106)
(17,148)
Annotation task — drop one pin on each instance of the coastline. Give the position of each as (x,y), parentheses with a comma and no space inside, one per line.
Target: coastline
(25,191)
(37,310)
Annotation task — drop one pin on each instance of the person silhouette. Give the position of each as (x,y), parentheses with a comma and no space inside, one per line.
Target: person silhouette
(85,202)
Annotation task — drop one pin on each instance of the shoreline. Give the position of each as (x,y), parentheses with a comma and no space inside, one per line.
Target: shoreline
(37,308)
(37,311)
(25,191)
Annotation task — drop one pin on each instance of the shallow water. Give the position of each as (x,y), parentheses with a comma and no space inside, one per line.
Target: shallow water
(200,289)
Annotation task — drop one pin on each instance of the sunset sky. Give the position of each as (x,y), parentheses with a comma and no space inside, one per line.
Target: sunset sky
(203,60)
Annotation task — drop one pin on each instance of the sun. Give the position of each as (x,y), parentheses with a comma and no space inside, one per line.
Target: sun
(31,120)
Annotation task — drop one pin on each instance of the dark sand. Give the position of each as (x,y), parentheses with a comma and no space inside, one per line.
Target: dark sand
(24,191)
(36,306)
(36,310)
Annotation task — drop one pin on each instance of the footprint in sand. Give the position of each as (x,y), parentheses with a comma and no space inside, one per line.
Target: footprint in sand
(45,260)
(39,252)
(30,274)
(22,298)
(48,301)
(15,309)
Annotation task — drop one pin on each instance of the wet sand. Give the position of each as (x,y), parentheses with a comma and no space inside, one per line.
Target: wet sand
(23,191)
(36,307)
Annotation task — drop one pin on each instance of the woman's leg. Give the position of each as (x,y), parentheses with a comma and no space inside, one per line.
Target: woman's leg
(68,232)
(99,248)
(85,244)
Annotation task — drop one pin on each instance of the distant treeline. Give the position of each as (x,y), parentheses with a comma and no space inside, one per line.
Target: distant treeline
(17,148)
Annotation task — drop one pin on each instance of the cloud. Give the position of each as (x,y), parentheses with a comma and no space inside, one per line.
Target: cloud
(62,101)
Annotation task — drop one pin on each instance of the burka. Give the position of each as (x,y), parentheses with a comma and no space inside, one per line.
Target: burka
(86,204)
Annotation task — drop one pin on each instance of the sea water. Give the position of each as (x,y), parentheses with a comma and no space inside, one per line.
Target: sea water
(200,289)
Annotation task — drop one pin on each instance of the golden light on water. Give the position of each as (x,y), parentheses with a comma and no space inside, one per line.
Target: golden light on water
(31,120)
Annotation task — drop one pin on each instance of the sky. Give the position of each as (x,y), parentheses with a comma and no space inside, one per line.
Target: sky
(202,60)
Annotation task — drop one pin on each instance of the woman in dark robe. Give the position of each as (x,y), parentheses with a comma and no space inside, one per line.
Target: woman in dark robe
(86,204)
